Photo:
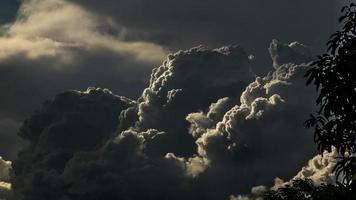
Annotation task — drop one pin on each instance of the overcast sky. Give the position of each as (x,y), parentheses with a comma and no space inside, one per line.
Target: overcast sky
(178,111)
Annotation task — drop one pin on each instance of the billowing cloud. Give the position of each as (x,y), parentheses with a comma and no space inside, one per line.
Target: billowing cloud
(271,110)
(72,122)
(189,81)
(319,171)
(53,46)
(197,125)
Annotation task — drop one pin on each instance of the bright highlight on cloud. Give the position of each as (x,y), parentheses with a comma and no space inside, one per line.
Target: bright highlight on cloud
(55,28)
(5,186)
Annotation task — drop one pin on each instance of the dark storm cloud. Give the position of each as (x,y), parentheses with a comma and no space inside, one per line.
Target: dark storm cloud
(72,122)
(9,141)
(258,136)
(75,152)
(251,23)
(204,128)
(189,81)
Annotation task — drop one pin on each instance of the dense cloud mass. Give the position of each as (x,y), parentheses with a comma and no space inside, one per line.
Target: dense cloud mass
(208,123)
(200,130)
(271,111)
(9,141)
(189,81)
(70,123)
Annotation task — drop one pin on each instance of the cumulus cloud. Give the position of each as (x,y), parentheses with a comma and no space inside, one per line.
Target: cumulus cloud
(238,146)
(198,131)
(319,170)
(125,168)
(72,122)
(189,81)
(204,128)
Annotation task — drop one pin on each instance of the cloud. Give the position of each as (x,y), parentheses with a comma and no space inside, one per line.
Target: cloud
(197,125)
(123,168)
(72,122)
(48,27)
(47,52)
(319,170)
(5,167)
(271,110)
(185,23)
(10,143)
(189,81)
(53,46)
(5,186)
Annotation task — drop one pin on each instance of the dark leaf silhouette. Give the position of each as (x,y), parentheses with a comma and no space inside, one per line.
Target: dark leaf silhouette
(334,76)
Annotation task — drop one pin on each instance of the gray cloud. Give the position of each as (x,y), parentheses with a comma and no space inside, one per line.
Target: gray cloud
(46,51)
(124,169)
(197,125)
(189,81)
(271,110)
(233,130)
(204,127)
(251,23)
(10,143)
(72,122)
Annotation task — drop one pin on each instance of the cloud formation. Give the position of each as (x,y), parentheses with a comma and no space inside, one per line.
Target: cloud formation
(319,171)
(53,46)
(271,110)
(72,122)
(189,81)
(205,127)
(197,125)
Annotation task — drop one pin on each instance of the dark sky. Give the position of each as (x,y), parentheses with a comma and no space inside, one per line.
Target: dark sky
(229,112)
(8,9)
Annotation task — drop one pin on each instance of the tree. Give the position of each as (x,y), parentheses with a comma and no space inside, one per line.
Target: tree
(334,75)
(306,190)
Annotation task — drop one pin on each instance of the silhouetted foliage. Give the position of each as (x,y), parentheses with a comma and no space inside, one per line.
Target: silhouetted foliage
(334,75)
(306,190)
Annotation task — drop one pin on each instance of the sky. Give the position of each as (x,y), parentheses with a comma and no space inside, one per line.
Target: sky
(161,99)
